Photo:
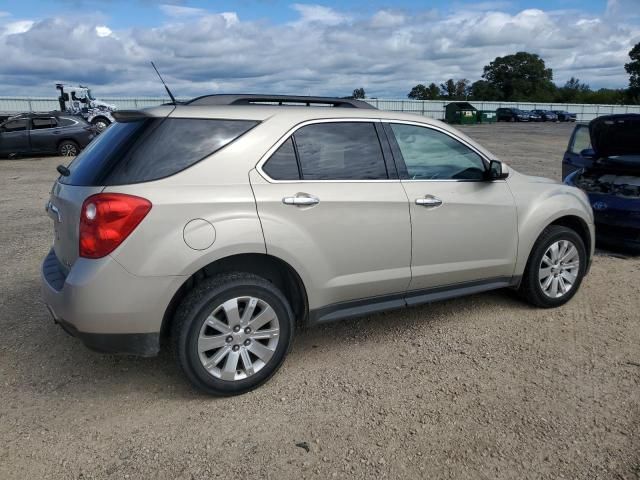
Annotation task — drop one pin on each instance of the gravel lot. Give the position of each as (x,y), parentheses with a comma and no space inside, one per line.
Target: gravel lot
(477,388)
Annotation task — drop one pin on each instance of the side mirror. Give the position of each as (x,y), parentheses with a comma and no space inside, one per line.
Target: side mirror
(497,171)
(588,153)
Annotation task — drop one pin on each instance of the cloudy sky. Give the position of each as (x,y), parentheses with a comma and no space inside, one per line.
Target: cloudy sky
(324,47)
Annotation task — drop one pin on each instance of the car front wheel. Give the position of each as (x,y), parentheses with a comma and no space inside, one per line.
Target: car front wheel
(555,268)
(232,332)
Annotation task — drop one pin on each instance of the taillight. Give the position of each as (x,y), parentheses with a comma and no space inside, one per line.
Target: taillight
(106,219)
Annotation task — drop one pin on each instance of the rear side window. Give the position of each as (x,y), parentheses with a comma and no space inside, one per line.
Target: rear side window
(340,151)
(150,149)
(283,164)
(41,123)
(66,122)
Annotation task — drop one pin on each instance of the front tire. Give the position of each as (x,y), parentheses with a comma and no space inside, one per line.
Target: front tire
(101,124)
(231,333)
(555,268)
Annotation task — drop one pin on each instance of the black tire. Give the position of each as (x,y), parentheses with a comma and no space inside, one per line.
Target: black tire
(530,289)
(68,148)
(101,124)
(200,303)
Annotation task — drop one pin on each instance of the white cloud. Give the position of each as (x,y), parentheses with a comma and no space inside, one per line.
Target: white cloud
(324,51)
(318,14)
(181,11)
(103,31)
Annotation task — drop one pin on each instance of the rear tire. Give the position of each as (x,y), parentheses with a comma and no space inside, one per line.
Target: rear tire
(545,270)
(68,148)
(219,338)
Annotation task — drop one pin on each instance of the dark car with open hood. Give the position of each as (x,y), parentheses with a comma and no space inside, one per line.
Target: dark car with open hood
(603,159)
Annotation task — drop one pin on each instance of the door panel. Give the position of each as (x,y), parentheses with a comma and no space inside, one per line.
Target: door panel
(14,137)
(471,236)
(354,243)
(44,135)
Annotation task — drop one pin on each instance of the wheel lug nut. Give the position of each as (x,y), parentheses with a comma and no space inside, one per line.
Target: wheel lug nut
(229,339)
(236,328)
(236,348)
(247,342)
(247,330)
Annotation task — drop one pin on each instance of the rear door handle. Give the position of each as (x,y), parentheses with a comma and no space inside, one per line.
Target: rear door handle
(429,201)
(301,200)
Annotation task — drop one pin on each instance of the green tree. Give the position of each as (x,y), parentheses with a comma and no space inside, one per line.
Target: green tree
(422,92)
(573,92)
(633,69)
(358,93)
(455,90)
(520,77)
(483,90)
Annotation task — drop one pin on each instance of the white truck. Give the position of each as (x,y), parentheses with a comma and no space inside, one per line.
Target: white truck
(78,100)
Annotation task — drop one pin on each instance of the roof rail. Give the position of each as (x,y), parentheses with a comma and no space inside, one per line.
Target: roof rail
(229,99)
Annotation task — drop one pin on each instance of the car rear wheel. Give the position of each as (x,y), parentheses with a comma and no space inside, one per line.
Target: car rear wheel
(68,148)
(232,332)
(555,268)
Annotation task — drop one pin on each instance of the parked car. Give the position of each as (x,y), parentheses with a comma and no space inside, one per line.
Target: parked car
(546,115)
(44,133)
(564,116)
(224,223)
(511,115)
(533,117)
(607,168)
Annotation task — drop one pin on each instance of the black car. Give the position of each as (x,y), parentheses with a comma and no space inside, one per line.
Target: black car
(44,133)
(511,115)
(564,116)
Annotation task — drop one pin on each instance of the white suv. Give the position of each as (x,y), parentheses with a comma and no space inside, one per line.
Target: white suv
(223,223)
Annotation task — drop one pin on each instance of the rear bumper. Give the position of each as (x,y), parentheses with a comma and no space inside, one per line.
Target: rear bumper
(105,306)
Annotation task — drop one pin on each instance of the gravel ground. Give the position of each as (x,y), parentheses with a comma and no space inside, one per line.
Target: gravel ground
(482,387)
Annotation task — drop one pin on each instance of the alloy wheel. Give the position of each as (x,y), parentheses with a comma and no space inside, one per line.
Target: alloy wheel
(68,150)
(238,338)
(559,269)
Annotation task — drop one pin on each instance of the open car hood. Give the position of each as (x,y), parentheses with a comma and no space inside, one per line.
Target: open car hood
(616,136)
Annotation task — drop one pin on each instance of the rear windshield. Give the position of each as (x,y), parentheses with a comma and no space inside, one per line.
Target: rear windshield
(150,149)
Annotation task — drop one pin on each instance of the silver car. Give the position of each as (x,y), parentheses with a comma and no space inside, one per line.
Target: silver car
(224,223)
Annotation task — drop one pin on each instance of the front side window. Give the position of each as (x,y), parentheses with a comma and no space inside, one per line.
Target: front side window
(15,126)
(340,151)
(432,155)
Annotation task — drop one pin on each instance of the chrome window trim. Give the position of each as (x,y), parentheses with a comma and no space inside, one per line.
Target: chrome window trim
(298,126)
(41,129)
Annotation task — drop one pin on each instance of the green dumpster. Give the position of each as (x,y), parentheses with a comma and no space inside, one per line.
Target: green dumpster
(487,116)
(461,113)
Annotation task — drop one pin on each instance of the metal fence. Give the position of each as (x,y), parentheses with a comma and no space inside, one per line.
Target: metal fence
(427,108)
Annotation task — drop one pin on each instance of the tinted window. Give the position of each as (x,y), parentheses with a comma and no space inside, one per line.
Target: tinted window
(15,126)
(433,155)
(283,165)
(149,149)
(40,123)
(581,139)
(340,151)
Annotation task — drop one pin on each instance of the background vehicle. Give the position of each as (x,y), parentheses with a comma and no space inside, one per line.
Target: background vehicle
(78,100)
(44,133)
(226,222)
(564,116)
(610,175)
(533,117)
(511,115)
(546,115)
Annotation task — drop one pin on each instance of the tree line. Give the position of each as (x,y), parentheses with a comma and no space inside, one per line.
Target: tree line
(524,77)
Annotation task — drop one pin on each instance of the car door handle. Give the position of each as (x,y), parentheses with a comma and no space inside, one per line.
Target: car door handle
(301,200)
(429,201)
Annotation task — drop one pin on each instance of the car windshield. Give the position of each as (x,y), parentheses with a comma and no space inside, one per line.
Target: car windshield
(90,95)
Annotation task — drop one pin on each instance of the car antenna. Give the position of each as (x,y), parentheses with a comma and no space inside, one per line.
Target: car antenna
(173,99)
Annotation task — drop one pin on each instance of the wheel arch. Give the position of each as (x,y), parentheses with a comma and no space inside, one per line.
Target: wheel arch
(272,268)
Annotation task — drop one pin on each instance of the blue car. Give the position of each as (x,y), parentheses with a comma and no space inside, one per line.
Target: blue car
(603,159)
